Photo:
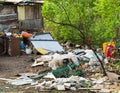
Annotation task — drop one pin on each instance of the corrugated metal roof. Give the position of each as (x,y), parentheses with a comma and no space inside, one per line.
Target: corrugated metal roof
(45,36)
(50,46)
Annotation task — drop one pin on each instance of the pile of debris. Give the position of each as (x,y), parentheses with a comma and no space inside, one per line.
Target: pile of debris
(113,65)
(75,69)
(68,71)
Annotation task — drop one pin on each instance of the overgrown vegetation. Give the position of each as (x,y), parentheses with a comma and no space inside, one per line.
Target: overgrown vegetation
(83,21)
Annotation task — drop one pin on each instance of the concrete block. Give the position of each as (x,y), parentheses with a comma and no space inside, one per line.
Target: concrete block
(73,88)
(113,76)
(67,85)
(60,87)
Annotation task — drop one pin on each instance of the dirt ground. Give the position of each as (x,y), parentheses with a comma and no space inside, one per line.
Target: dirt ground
(12,66)
(9,66)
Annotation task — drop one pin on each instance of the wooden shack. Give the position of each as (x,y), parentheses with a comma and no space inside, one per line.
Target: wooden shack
(8,14)
(25,14)
(30,16)
(16,15)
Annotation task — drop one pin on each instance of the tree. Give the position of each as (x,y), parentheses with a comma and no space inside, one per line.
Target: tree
(108,16)
(78,15)
(82,21)
(72,18)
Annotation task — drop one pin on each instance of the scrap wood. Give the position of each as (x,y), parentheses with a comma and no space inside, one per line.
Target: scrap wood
(5,79)
(89,88)
(38,61)
(41,61)
(28,74)
(44,58)
(44,70)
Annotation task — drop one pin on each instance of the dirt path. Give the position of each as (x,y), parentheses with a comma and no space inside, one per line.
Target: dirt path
(9,66)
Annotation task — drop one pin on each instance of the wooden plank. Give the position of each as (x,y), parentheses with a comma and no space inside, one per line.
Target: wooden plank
(8,17)
(29,12)
(89,88)
(33,12)
(38,11)
(21,12)
(8,9)
(31,24)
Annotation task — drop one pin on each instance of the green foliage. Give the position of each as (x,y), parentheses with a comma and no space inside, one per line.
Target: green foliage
(114,67)
(108,14)
(78,20)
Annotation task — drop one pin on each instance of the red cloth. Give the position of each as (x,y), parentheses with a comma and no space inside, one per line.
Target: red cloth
(110,51)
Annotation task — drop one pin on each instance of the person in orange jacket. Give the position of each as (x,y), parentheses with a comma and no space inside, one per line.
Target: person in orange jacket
(26,34)
(26,37)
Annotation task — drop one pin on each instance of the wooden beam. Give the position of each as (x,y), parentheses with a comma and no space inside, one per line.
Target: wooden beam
(8,17)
